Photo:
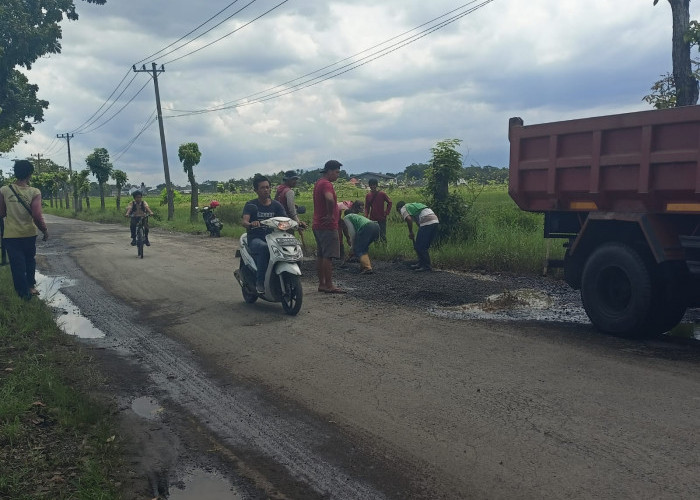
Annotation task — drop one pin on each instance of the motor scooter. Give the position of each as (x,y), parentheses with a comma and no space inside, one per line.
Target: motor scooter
(282,279)
(214,225)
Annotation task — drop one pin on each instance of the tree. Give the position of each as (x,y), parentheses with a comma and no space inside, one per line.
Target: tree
(415,171)
(120,178)
(445,168)
(28,30)
(189,156)
(100,166)
(684,80)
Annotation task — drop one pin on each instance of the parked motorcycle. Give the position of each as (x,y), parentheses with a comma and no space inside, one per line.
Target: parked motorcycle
(214,225)
(282,279)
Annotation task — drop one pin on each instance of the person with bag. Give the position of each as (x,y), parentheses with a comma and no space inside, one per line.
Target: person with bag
(20,205)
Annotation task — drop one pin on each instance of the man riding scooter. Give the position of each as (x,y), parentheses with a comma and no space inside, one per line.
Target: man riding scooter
(261,208)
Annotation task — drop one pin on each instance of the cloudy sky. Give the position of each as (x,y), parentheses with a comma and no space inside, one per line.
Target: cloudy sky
(261,98)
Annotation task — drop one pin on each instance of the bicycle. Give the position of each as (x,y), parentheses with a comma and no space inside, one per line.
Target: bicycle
(140,233)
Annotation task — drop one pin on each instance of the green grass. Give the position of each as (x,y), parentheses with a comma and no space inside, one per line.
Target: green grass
(55,441)
(502,238)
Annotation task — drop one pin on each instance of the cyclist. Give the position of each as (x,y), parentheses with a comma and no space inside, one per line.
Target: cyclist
(138,208)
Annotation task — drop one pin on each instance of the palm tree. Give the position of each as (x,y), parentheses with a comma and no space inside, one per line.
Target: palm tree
(100,166)
(189,156)
(120,179)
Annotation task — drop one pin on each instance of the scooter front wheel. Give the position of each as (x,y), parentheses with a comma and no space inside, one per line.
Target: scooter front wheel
(292,293)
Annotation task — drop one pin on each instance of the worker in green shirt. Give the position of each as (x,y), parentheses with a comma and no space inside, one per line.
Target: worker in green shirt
(360,232)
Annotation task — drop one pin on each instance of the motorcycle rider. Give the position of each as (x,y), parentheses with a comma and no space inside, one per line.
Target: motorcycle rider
(261,208)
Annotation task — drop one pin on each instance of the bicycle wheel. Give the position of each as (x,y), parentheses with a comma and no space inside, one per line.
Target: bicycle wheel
(139,241)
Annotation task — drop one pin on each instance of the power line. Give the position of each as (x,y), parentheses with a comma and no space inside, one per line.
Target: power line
(189,33)
(87,122)
(273,94)
(122,150)
(230,33)
(120,110)
(283,85)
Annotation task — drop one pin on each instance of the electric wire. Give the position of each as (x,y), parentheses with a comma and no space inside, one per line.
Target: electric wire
(85,123)
(342,69)
(91,123)
(230,33)
(119,111)
(341,60)
(123,149)
(188,34)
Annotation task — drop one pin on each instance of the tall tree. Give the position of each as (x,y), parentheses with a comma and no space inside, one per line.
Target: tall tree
(189,156)
(686,85)
(28,30)
(445,168)
(120,179)
(100,166)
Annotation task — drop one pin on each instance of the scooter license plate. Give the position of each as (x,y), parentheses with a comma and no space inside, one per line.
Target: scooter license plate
(287,241)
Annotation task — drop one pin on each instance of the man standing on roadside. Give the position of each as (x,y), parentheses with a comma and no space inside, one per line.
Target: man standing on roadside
(285,195)
(377,207)
(325,226)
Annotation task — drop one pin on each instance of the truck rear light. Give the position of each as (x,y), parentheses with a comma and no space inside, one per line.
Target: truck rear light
(683,207)
(583,205)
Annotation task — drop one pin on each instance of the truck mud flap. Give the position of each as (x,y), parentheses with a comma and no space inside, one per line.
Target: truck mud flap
(691,245)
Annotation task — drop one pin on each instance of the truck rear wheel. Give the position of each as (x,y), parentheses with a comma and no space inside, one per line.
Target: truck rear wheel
(616,290)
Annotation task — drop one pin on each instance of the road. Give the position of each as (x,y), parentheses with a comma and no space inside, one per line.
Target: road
(358,398)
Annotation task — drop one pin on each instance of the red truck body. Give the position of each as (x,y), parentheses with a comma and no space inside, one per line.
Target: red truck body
(622,188)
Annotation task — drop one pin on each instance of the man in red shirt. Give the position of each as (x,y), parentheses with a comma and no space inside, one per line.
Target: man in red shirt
(377,207)
(325,226)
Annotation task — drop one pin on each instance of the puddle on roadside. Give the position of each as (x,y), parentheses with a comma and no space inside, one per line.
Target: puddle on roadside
(686,331)
(67,314)
(147,407)
(204,485)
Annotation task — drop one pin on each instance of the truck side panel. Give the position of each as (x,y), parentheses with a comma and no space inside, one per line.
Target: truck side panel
(639,162)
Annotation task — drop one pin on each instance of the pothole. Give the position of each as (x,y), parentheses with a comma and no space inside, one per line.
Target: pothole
(520,304)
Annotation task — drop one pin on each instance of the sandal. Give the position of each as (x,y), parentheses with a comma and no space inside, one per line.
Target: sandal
(335,290)
(34,291)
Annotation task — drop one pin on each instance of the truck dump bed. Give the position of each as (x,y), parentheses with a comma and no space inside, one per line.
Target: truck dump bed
(644,162)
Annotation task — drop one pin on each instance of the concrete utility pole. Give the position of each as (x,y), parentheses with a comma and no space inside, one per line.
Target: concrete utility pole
(168,186)
(68,137)
(38,160)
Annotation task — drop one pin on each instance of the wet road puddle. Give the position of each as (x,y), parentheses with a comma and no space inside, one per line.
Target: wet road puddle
(68,316)
(147,407)
(204,485)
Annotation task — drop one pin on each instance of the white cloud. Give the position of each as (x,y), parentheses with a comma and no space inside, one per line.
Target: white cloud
(540,60)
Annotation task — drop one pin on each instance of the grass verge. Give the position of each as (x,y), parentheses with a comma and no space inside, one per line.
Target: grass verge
(56,441)
(502,238)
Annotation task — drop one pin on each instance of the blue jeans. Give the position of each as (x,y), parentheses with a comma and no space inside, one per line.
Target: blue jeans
(424,238)
(261,254)
(22,254)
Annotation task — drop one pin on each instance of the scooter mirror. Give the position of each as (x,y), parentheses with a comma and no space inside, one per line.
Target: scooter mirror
(301,209)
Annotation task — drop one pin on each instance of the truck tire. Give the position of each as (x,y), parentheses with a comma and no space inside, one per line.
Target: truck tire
(616,290)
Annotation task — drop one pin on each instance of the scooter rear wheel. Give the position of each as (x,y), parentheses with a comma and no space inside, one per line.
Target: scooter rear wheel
(248,295)
(292,293)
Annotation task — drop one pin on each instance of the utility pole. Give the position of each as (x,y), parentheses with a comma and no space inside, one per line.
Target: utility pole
(68,137)
(38,160)
(168,186)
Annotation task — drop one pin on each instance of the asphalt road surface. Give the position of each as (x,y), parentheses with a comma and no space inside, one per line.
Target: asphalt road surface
(370,395)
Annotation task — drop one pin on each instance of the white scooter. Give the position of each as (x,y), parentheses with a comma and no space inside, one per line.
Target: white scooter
(282,279)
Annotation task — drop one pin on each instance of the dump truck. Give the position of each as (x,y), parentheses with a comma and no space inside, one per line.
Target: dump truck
(623,192)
